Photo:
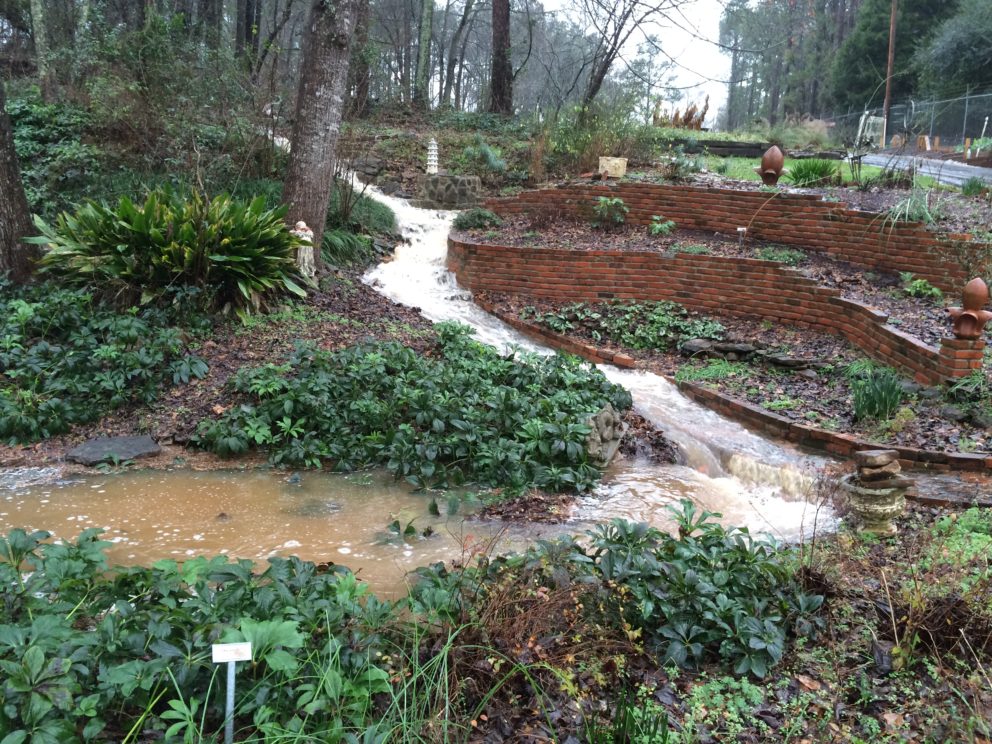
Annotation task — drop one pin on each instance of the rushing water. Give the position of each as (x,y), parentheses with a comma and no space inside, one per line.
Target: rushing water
(747,478)
(149,515)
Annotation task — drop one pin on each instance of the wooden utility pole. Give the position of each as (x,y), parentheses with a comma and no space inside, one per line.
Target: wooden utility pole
(888,74)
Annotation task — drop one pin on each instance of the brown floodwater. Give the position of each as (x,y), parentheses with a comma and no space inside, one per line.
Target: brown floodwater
(149,515)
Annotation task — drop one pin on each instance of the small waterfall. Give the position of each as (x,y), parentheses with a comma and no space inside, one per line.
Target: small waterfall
(750,480)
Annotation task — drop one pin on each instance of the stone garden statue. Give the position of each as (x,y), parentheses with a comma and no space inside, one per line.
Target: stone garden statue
(306,254)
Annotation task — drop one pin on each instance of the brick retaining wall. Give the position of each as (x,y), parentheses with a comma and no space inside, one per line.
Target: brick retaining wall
(863,238)
(749,287)
(759,419)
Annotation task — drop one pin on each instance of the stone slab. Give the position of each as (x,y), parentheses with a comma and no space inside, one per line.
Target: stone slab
(875,458)
(106,449)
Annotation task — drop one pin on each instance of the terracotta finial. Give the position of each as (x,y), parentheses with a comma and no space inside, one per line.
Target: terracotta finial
(970,320)
(771,166)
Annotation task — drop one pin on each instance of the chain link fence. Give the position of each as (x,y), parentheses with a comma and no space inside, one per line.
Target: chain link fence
(949,123)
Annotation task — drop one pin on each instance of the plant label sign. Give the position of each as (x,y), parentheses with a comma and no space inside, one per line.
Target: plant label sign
(229,652)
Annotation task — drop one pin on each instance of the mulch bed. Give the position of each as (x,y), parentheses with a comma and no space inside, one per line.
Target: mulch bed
(956,213)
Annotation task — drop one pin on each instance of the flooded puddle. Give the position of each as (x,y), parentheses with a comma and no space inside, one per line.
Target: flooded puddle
(149,515)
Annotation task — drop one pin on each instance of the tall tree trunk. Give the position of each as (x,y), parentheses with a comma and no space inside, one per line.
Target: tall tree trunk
(319,106)
(15,221)
(420,78)
(361,71)
(501,75)
(453,56)
(39,30)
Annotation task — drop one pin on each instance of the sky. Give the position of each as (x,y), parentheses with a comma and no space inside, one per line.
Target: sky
(690,40)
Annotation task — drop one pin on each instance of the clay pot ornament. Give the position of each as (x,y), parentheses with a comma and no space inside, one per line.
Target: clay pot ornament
(970,320)
(771,166)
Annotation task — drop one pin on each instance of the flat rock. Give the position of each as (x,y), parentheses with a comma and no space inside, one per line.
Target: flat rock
(875,458)
(897,482)
(695,346)
(953,413)
(109,449)
(735,348)
(882,473)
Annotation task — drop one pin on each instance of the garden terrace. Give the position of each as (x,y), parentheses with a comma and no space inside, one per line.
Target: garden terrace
(739,286)
(863,238)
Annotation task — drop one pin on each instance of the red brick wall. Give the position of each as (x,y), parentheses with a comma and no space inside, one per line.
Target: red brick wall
(750,287)
(851,235)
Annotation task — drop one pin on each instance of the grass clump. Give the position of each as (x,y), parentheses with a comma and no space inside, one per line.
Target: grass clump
(344,248)
(714,369)
(476,218)
(65,359)
(464,414)
(876,393)
(235,255)
(811,172)
(917,207)
(974,186)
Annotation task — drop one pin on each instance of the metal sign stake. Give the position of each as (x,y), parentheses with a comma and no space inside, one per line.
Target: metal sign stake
(230,654)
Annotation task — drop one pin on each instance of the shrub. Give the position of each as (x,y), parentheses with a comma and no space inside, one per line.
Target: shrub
(465,414)
(482,155)
(609,211)
(140,661)
(65,360)
(678,166)
(55,162)
(919,287)
(476,219)
(660,226)
(876,394)
(238,255)
(710,593)
(787,256)
(813,172)
(974,186)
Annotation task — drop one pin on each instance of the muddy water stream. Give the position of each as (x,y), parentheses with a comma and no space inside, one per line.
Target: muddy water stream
(150,515)
(753,482)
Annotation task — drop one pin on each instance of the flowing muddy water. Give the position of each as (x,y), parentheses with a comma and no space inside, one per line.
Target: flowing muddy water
(149,515)
(750,480)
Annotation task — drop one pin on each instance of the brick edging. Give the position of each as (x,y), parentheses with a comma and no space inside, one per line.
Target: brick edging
(755,417)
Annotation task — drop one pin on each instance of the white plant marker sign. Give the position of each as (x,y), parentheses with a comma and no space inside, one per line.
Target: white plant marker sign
(230,654)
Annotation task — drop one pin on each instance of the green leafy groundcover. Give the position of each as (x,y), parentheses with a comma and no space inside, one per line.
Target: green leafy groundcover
(465,414)
(65,359)
(123,654)
(638,325)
